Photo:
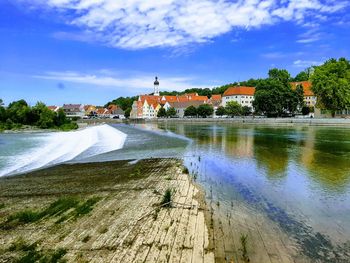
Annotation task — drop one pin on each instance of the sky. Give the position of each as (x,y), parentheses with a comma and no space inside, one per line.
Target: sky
(93,51)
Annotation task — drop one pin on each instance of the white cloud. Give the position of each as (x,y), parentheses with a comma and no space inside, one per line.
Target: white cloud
(137,24)
(305,63)
(110,80)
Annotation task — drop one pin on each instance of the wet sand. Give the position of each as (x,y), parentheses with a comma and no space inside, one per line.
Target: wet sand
(124,223)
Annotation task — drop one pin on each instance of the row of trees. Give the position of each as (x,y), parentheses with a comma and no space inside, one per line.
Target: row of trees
(19,113)
(203,111)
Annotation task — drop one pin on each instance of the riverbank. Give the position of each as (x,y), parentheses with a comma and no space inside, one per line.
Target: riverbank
(263,121)
(247,120)
(104,212)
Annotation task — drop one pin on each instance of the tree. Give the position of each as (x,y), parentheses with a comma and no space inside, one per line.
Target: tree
(246,110)
(233,108)
(191,111)
(123,102)
(205,110)
(220,111)
(171,112)
(127,112)
(61,118)
(18,111)
(274,96)
(331,85)
(300,96)
(161,113)
(305,110)
(301,76)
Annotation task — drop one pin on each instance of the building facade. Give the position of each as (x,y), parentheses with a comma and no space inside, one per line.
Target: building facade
(240,94)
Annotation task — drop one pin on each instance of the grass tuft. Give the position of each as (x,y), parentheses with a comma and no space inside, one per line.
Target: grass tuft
(167,198)
(243,249)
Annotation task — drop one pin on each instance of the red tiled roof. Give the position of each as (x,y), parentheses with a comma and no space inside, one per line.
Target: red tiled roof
(239,90)
(216,97)
(52,107)
(170,98)
(306,86)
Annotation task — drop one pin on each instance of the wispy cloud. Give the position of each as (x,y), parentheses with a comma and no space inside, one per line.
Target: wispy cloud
(109,80)
(135,24)
(305,63)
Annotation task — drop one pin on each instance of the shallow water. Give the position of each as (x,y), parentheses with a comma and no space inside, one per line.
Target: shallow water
(299,177)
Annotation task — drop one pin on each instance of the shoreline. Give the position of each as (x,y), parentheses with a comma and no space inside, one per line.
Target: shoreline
(336,122)
(125,224)
(260,121)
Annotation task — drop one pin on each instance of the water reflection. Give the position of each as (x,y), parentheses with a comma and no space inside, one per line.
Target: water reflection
(323,153)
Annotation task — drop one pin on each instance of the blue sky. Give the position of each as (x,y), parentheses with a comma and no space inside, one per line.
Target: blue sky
(92,51)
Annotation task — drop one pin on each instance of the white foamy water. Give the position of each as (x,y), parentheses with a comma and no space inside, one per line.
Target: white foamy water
(58,147)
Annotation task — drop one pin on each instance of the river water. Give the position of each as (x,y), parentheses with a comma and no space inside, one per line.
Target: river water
(298,177)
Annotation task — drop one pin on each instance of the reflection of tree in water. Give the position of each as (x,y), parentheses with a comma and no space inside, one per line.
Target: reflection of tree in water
(271,151)
(329,163)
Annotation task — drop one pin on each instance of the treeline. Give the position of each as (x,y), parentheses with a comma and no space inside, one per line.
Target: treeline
(274,96)
(19,113)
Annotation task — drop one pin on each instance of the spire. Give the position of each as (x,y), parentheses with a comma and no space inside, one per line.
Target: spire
(156,87)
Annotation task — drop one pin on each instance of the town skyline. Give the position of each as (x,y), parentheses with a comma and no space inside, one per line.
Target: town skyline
(53,51)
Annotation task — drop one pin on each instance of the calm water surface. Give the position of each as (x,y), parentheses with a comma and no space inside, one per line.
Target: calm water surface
(298,176)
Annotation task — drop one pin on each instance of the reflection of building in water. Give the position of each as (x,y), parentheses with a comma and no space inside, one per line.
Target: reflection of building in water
(238,144)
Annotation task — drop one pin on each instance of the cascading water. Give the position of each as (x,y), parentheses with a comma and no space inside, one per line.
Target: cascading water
(58,147)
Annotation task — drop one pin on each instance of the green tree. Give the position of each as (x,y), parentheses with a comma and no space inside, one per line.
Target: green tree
(2,111)
(274,96)
(302,76)
(233,108)
(246,110)
(171,112)
(205,110)
(123,102)
(127,112)
(220,111)
(18,111)
(300,96)
(191,111)
(61,118)
(305,110)
(161,113)
(331,85)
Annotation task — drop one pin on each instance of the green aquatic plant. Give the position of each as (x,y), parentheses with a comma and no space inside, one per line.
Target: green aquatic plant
(185,170)
(57,208)
(243,249)
(167,198)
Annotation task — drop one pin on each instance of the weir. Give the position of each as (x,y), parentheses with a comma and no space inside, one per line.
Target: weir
(59,147)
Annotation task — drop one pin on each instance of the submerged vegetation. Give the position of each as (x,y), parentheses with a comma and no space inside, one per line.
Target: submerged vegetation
(167,198)
(243,249)
(19,114)
(31,253)
(61,206)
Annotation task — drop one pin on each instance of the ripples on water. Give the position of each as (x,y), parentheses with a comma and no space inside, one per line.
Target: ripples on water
(297,176)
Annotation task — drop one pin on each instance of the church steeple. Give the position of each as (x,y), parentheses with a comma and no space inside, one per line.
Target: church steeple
(156,87)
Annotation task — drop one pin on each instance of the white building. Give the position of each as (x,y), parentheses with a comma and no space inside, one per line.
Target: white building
(242,95)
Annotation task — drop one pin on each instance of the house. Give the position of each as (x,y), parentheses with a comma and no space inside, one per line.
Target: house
(115,110)
(216,102)
(74,110)
(181,106)
(309,97)
(147,106)
(90,110)
(241,94)
(54,108)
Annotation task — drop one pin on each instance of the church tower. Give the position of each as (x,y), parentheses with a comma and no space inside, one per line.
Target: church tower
(156,87)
